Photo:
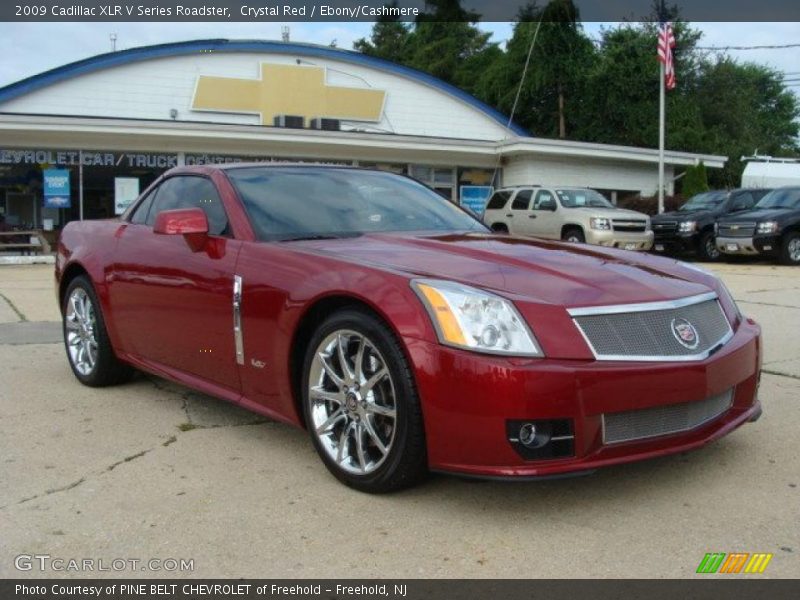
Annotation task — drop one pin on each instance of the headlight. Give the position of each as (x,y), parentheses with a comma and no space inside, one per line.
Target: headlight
(473,319)
(767,227)
(600,223)
(687,226)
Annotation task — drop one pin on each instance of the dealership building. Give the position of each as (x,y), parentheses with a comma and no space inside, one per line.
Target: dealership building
(109,125)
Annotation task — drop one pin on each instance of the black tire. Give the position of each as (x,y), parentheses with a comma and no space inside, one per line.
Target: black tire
(574,234)
(707,250)
(789,252)
(107,369)
(500,228)
(405,463)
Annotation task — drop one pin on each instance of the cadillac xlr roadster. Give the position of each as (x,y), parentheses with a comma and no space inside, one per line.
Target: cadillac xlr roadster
(399,331)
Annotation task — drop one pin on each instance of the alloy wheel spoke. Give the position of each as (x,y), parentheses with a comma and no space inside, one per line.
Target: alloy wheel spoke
(375,437)
(334,418)
(341,346)
(340,454)
(379,409)
(330,371)
(359,438)
(358,364)
(373,380)
(321,395)
(72,324)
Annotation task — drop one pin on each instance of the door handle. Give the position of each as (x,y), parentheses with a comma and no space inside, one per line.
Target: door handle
(531,216)
(510,216)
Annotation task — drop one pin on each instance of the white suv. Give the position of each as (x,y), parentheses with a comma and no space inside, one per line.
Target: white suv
(570,214)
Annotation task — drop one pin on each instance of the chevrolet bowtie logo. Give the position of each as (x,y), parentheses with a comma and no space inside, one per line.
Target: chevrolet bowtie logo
(288,90)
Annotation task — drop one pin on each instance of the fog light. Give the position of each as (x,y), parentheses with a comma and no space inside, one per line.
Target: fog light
(541,439)
(527,434)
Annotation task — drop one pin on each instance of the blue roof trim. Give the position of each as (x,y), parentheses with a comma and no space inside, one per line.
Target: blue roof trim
(122,57)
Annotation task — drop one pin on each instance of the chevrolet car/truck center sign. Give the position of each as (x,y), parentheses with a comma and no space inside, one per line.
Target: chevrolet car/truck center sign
(288,90)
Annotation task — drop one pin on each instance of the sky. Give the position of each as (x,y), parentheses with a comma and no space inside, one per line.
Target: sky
(30,48)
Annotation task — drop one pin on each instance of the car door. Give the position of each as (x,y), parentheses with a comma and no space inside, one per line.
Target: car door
(517,215)
(543,216)
(173,306)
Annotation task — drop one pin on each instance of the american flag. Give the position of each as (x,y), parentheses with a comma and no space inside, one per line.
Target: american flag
(666,42)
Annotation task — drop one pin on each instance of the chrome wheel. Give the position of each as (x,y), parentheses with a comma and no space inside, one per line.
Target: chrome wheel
(81,324)
(352,402)
(794,250)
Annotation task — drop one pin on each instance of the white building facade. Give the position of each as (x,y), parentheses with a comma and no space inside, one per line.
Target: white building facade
(131,115)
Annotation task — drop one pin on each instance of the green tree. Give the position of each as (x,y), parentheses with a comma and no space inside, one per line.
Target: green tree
(695,180)
(389,40)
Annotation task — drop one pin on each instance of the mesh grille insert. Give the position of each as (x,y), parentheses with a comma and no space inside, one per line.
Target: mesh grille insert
(656,334)
(663,420)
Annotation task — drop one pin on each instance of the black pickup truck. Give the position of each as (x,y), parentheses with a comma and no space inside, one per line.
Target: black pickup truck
(771,229)
(690,229)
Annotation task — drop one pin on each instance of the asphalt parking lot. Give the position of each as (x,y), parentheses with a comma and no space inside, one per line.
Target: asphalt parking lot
(153,470)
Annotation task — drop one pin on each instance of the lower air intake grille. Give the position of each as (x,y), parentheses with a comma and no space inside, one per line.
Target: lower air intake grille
(663,420)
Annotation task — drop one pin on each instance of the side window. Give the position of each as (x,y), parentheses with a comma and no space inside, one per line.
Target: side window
(544,201)
(192,192)
(743,201)
(140,213)
(522,200)
(498,200)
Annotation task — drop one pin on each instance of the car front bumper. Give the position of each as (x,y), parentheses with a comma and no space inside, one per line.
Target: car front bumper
(469,401)
(620,239)
(676,242)
(751,246)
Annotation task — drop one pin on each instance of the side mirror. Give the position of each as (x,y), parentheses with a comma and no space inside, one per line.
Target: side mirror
(191,223)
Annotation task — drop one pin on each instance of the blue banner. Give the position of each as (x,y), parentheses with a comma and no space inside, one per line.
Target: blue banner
(474,197)
(56,188)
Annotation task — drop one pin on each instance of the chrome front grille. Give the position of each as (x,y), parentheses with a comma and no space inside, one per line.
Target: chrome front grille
(630,225)
(663,420)
(744,230)
(665,226)
(678,330)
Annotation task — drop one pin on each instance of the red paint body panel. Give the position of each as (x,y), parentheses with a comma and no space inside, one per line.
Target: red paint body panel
(168,308)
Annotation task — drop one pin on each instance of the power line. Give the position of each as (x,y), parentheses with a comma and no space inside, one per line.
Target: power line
(766,47)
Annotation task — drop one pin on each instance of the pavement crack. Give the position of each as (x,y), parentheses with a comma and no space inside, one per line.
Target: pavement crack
(128,459)
(13,306)
(779,374)
(64,488)
(768,304)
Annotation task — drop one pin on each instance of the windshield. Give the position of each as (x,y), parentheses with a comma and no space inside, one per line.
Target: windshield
(579,198)
(788,198)
(287,203)
(704,201)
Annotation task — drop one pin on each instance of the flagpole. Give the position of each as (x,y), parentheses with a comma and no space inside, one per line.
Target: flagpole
(661,119)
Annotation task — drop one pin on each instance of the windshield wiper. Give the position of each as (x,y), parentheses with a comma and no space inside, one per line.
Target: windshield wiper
(318,236)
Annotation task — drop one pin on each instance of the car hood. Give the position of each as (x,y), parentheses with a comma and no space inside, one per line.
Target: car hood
(532,270)
(681,215)
(757,215)
(610,213)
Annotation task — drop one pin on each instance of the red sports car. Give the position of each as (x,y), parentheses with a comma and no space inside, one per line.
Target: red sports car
(399,331)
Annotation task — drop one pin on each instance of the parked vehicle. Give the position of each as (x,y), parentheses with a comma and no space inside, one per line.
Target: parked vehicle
(569,214)
(771,229)
(401,332)
(690,229)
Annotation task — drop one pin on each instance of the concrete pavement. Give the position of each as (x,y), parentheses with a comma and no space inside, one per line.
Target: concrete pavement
(153,470)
